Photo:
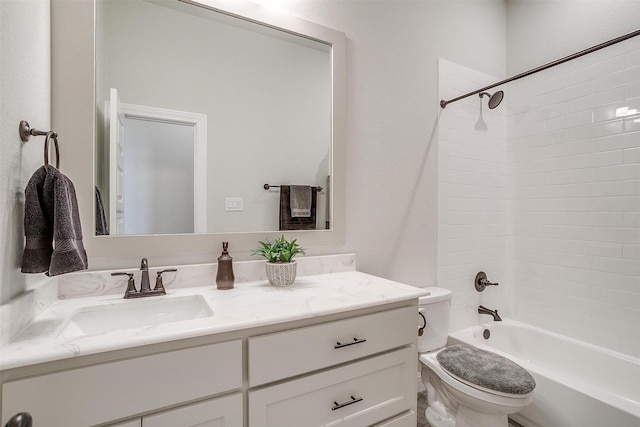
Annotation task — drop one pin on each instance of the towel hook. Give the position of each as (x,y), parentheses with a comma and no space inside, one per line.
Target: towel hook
(26,132)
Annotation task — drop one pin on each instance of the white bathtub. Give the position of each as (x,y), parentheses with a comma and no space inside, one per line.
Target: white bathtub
(577,384)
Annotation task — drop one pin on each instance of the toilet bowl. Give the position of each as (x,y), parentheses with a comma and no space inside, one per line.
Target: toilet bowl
(471,394)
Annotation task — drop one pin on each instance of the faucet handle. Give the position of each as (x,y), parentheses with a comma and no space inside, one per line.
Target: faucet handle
(159,285)
(481,281)
(131,285)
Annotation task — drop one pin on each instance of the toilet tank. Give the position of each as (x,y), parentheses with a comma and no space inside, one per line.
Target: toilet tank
(435,308)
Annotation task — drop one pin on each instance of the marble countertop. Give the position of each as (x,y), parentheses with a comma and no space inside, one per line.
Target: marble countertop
(248,305)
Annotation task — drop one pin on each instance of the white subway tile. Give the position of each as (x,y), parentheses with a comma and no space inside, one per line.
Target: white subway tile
(629,283)
(616,235)
(618,299)
(616,173)
(615,110)
(596,130)
(595,189)
(615,204)
(597,70)
(632,90)
(631,188)
(596,249)
(568,121)
(631,251)
(632,59)
(631,219)
(606,219)
(617,141)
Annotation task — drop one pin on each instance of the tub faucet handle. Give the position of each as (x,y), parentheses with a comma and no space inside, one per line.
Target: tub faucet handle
(481,281)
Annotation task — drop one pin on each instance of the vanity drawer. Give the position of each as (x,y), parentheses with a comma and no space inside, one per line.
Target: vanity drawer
(362,393)
(98,394)
(284,354)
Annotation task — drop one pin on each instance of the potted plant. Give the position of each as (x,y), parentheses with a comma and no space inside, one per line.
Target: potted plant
(281,267)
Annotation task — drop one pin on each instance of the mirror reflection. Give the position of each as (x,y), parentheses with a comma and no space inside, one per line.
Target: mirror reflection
(196,111)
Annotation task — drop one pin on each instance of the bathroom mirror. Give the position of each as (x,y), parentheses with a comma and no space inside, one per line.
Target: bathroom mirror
(262,96)
(77,99)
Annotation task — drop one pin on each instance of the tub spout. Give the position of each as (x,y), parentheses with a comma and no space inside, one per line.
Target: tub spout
(484,310)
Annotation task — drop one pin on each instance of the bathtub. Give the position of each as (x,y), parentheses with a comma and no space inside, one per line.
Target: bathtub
(577,384)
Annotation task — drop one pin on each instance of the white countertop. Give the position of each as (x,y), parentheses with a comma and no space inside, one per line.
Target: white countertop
(248,305)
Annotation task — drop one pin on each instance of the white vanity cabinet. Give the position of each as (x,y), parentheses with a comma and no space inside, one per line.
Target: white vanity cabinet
(353,367)
(359,372)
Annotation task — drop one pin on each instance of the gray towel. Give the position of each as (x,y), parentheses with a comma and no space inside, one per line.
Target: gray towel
(52,225)
(300,201)
(286,221)
(101,220)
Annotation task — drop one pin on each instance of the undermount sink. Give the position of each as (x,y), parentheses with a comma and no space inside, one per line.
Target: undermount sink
(140,313)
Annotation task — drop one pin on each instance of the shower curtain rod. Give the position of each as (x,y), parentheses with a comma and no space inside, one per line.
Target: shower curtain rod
(444,103)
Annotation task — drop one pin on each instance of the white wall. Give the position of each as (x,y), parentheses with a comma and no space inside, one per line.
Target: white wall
(25,94)
(541,31)
(392,109)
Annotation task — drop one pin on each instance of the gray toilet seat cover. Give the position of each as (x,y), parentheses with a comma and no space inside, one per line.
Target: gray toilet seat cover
(486,369)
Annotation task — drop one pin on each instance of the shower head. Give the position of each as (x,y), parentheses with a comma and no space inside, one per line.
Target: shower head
(495,99)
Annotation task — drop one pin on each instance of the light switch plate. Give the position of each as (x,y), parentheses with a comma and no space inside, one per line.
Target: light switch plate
(233,204)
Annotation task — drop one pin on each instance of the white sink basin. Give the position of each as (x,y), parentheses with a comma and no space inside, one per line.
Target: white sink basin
(133,314)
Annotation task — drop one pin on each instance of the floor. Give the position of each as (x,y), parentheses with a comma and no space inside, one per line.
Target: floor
(422,406)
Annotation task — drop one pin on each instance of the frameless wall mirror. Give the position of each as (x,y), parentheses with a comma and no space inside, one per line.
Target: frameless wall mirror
(196,109)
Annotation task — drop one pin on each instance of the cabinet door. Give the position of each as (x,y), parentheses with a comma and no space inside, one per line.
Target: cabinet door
(359,394)
(221,412)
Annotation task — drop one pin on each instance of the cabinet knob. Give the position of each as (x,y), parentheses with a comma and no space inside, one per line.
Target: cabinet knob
(23,419)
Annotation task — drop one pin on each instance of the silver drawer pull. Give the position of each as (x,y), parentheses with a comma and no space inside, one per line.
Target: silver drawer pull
(355,341)
(353,400)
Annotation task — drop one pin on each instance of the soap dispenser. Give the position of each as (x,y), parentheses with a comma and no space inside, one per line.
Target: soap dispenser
(225,277)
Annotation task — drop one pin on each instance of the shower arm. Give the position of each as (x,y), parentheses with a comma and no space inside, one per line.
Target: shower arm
(444,103)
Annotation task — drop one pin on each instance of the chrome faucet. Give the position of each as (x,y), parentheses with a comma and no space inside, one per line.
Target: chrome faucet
(484,310)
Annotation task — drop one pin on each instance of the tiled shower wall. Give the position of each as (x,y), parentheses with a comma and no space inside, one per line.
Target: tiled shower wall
(546,200)
(472,193)
(573,248)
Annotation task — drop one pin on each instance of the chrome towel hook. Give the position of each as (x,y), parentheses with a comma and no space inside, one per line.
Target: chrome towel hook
(26,132)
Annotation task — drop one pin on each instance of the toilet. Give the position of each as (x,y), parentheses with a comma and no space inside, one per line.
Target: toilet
(466,386)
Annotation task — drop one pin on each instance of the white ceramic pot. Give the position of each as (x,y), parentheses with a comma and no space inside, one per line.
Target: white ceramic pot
(281,273)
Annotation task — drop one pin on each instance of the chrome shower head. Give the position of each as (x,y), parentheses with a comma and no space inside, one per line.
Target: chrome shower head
(495,99)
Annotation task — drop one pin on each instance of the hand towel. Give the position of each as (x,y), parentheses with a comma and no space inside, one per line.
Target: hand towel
(300,201)
(101,220)
(37,228)
(52,220)
(286,221)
